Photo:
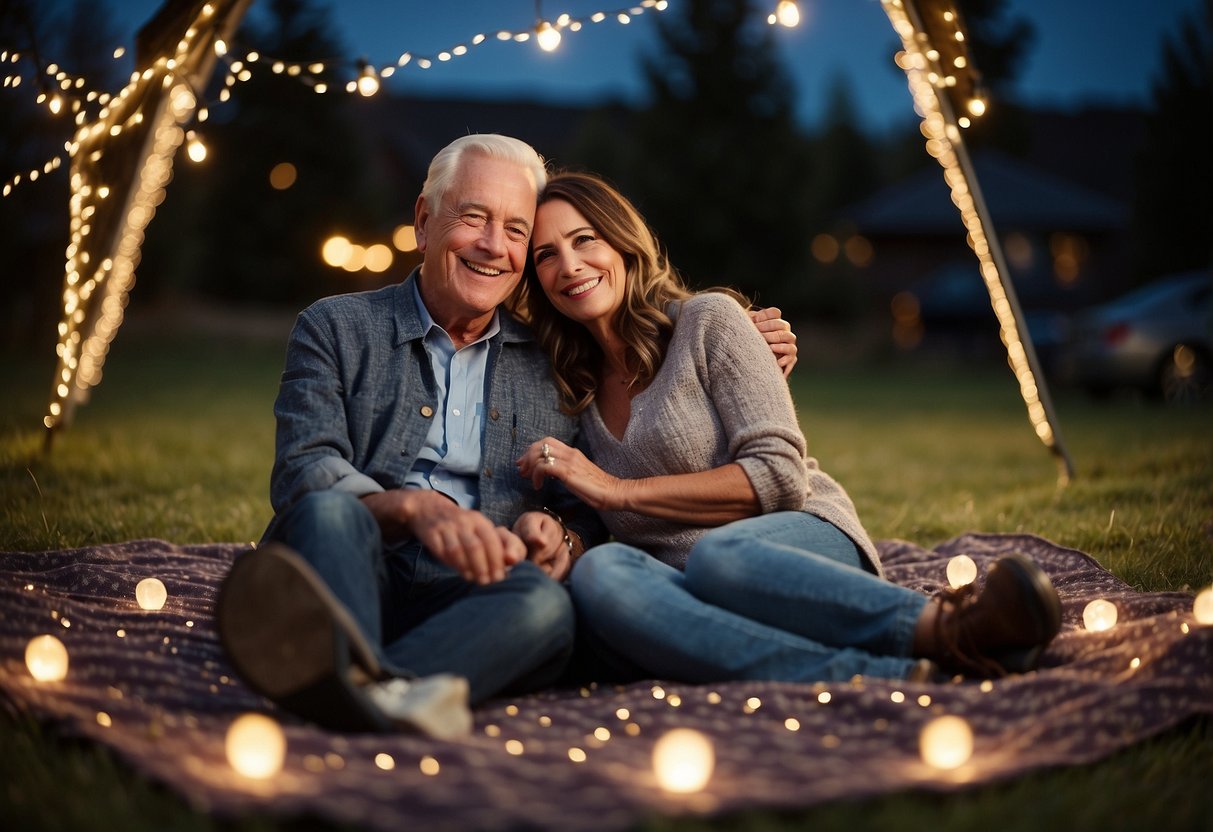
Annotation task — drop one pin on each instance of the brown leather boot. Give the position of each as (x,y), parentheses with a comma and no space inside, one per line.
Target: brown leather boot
(1004,628)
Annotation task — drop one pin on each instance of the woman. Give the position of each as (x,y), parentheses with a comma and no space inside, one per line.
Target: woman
(735,556)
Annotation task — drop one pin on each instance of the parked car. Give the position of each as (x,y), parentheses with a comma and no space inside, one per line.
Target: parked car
(1157,339)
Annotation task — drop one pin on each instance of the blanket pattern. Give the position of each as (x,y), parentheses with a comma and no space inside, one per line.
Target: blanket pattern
(157,689)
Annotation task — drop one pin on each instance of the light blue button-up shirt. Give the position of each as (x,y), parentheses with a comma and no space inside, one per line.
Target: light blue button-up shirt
(449,459)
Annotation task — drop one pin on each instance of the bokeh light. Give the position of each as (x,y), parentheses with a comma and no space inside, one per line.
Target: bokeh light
(255,746)
(46,658)
(151,594)
(282,176)
(1099,615)
(946,742)
(961,570)
(683,760)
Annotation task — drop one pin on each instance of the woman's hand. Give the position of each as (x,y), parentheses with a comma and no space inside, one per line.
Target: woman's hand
(779,336)
(544,539)
(593,486)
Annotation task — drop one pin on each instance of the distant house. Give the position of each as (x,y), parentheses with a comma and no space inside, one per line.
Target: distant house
(1065,244)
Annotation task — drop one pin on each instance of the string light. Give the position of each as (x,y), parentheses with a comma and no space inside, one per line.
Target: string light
(548,36)
(368,81)
(195,148)
(786,14)
(928,45)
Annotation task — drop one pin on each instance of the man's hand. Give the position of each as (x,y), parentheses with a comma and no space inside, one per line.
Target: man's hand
(465,540)
(779,336)
(544,539)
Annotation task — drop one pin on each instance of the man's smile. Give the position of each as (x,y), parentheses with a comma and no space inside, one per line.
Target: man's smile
(480,268)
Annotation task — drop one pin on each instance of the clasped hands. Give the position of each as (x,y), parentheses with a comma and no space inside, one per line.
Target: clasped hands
(466,540)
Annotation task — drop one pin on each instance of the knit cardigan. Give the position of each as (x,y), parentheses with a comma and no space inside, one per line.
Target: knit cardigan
(717,398)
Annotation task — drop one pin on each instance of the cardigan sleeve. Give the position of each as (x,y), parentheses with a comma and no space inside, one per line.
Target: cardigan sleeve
(751,399)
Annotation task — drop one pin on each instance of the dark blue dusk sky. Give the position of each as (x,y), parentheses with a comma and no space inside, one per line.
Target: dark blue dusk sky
(1085,51)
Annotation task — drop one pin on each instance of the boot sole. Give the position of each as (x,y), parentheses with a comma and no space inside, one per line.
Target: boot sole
(1048,620)
(292,641)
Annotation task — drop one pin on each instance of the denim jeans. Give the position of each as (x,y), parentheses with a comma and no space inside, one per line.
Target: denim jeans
(509,636)
(780,597)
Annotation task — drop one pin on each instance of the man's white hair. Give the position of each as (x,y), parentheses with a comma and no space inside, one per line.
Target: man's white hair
(495,146)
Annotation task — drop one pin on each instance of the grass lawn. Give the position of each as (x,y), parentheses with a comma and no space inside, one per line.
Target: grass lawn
(178,441)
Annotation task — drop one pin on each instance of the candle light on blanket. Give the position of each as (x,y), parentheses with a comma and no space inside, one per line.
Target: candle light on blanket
(1099,615)
(946,742)
(46,658)
(961,570)
(255,746)
(151,594)
(683,760)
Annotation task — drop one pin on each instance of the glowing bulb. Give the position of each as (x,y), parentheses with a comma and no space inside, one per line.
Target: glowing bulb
(1202,607)
(977,107)
(151,594)
(683,760)
(56,105)
(46,658)
(1099,615)
(961,570)
(946,742)
(787,13)
(255,746)
(196,149)
(548,36)
(368,82)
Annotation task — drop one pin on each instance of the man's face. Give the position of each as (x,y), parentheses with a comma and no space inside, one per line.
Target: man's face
(474,243)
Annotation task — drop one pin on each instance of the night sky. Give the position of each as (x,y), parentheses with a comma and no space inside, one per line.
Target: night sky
(1085,51)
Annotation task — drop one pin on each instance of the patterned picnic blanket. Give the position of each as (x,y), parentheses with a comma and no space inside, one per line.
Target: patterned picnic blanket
(156,688)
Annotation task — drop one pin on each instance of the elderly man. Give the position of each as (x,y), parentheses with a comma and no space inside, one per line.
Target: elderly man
(405,544)
(409,569)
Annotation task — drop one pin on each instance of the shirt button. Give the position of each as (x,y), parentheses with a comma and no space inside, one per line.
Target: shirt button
(488,472)
(494,414)
(427,411)
(456,411)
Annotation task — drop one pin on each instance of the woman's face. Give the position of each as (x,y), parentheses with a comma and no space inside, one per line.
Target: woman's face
(582,275)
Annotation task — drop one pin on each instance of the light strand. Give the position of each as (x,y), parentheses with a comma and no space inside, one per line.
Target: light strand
(142,124)
(932,91)
(241,69)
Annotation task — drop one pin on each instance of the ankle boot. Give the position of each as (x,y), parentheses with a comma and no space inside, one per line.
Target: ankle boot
(1004,628)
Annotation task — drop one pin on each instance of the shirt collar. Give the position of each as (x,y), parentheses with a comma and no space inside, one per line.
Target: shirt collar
(428,323)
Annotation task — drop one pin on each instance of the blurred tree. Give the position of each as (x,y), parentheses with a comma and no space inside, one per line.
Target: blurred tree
(225,230)
(717,164)
(1173,208)
(846,169)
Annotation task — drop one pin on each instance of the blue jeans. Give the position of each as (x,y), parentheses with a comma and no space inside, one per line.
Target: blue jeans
(781,597)
(513,635)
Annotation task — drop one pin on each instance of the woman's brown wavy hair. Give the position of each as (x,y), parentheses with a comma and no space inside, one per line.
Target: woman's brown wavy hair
(651,285)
